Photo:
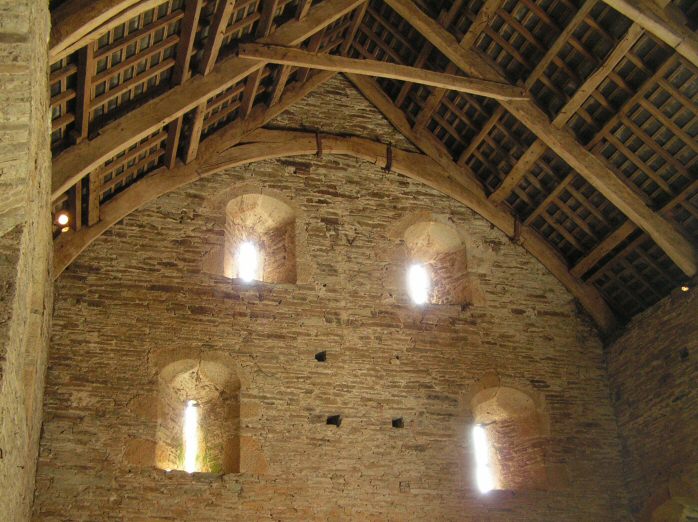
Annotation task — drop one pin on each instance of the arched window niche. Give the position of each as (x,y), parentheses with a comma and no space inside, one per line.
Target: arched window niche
(439,250)
(268,224)
(515,428)
(209,440)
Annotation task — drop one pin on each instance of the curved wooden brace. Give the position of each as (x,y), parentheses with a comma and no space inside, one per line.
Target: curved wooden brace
(269,144)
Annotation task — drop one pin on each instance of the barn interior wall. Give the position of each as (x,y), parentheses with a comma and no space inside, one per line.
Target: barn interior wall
(25,246)
(653,371)
(138,295)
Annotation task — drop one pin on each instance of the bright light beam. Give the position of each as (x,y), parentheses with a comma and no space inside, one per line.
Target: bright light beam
(418,284)
(248,262)
(191,436)
(483,472)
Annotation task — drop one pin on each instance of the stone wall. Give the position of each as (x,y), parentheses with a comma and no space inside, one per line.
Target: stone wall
(138,294)
(25,246)
(653,370)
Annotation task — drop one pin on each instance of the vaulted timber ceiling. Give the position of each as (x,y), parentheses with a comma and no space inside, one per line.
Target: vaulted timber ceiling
(570,124)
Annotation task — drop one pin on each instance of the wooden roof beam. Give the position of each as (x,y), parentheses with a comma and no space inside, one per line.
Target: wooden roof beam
(76,162)
(215,35)
(326,62)
(594,169)
(655,19)
(77,22)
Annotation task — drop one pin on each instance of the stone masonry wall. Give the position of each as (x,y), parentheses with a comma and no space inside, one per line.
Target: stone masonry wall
(653,370)
(138,294)
(25,246)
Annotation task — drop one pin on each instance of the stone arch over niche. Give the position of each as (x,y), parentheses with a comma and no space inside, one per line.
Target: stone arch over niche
(440,246)
(214,385)
(272,222)
(517,428)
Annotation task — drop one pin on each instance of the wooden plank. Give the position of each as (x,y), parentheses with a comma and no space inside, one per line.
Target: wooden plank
(197,127)
(594,169)
(655,20)
(192,14)
(73,20)
(326,62)
(174,131)
(92,36)
(79,160)
(215,35)
(86,68)
(93,199)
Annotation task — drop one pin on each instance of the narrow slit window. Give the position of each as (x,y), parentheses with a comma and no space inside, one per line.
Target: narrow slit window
(248,262)
(483,471)
(418,284)
(191,436)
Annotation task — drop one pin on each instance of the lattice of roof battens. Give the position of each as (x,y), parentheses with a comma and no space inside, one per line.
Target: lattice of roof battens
(130,165)
(63,92)
(133,62)
(635,275)
(592,39)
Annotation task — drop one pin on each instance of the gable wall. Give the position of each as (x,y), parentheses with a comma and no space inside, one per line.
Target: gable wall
(139,293)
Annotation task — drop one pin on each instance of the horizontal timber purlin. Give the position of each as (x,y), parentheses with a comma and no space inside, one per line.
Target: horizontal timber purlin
(299,58)
(76,162)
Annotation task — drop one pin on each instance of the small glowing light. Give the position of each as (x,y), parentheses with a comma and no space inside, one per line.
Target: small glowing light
(65,229)
(248,262)
(63,219)
(418,284)
(191,436)
(483,472)
(685,288)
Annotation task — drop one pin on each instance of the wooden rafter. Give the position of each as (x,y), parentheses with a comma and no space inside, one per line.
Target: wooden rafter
(594,169)
(81,159)
(326,62)
(215,36)
(72,23)
(654,19)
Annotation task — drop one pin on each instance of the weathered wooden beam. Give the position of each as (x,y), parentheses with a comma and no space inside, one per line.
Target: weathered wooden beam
(192,14)
(72,22)
(215,35)
(594,169)
(86,69)
(197,126)
(655,20)
(174,131)
(79,160)
(326,62)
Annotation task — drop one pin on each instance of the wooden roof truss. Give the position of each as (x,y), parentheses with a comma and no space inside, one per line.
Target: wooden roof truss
(597,166)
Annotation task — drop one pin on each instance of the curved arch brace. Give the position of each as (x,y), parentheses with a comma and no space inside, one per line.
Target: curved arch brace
(270,144)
